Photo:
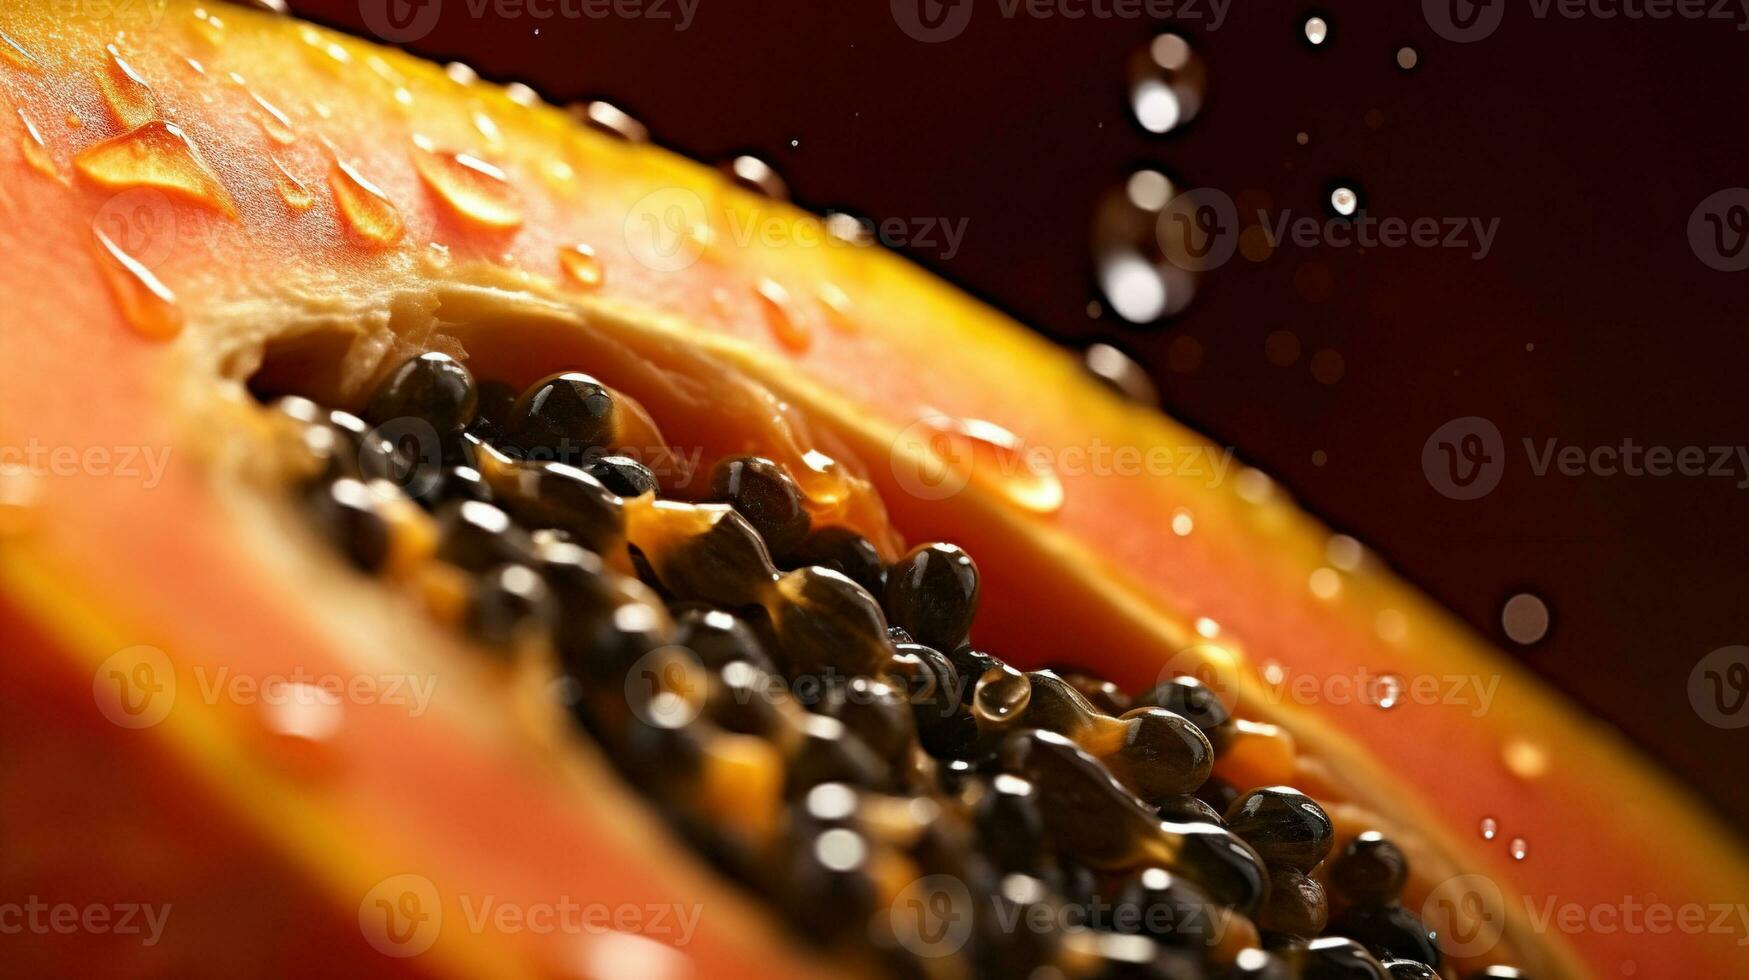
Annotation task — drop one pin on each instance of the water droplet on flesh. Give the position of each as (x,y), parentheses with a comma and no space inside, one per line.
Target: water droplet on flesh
(1490,828)
(364,207)
(36,152)
(20,496)
(774,302)
(146,303)
(605,117)
(296,195)
(757,176)
(581,266)
(127,94)
(158,155)
(14,54)
(1519,848)
(1183,522)
(1387,691)
(274,123)
(1121,373)
(983,450)
(849,229)
(477,190)
(208,27)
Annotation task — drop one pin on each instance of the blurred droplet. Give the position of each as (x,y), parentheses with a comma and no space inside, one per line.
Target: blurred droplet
(1138,283)
(1317,30)
(1328,367)
(1387,691)
(1525,759)
(1282,348)
(1391,626)
(1254,486)
(1408,58)
(1302,138)
(1344,201)
(1167,81)
(1134,287)
(849,229)
(303,711)
(605,117)
(758,176)
(1121,373)
(1525,618)
(1325,583)
(1183,522)
(1343,552)
(1149,190)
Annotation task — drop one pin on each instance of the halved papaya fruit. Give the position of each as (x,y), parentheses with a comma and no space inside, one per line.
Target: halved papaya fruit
(215,724)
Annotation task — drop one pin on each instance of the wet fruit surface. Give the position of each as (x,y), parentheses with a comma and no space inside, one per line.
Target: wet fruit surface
(1036,611)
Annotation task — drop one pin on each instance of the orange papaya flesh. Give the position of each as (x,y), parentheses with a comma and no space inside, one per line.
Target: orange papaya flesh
(883,347)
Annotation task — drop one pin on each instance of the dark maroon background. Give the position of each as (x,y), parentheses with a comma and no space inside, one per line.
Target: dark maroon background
(1591,140)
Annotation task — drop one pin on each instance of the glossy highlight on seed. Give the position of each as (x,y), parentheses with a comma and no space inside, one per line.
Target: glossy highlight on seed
(158,155)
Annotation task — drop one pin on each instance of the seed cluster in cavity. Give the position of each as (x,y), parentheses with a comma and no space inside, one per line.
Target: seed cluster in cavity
(814,718)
